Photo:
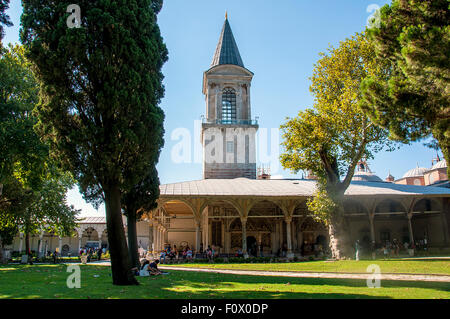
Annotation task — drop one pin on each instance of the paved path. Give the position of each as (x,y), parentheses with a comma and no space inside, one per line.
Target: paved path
(298,274)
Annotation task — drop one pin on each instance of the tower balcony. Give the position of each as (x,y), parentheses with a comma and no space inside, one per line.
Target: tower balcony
(251,122)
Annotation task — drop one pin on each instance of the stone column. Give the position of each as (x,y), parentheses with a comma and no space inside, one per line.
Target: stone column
(294,236)
(372,227)
(227,242)
(411,235)
(197,236)
(444,228)
(80,236)
(100,240)
(155,238)
(281,234)
(159,238)
(206,229)
(150,238)
(244,237)
(258,253)
(288,237)
(166,235)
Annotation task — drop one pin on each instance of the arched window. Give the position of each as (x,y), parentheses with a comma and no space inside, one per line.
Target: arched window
(228,106)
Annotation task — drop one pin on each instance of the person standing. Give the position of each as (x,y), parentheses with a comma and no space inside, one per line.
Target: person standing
(357,248)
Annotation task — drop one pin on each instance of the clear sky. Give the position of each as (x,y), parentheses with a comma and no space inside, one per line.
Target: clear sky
(279,41)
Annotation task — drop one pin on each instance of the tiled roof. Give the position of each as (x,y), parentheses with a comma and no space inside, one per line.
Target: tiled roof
(227,51)
(287,187)
(93,220)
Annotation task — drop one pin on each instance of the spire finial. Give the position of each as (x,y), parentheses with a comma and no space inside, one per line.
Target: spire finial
(226,15)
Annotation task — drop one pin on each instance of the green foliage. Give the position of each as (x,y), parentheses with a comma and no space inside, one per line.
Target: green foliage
(414,38)
(34,189)
(7,235)
(322,205)
(101,85)
(22,154)
(329,139)
(4,18)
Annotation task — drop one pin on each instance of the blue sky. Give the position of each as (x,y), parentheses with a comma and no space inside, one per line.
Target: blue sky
(279,41)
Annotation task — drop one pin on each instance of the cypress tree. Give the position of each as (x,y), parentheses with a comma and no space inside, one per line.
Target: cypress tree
(101,84)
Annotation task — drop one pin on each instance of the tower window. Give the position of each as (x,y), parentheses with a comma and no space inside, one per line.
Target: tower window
(228,106)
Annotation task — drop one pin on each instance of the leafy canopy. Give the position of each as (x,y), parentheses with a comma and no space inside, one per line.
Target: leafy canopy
(329,139)
(101,86)
(34,188)
(413,38)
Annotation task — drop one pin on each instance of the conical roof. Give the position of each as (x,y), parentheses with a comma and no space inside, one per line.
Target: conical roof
(227,51)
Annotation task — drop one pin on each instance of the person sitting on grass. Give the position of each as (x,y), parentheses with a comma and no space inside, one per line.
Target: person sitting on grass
(153,268)
(145,269)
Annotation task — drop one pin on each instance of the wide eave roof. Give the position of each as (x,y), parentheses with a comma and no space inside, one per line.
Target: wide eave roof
(289,188)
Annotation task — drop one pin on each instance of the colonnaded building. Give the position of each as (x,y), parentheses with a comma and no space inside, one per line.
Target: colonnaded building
(234,207)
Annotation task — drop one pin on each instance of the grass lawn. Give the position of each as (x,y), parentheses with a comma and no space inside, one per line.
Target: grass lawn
(398,266)
(49,281)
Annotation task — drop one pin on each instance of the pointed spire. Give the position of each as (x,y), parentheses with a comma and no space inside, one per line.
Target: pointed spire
(227,51)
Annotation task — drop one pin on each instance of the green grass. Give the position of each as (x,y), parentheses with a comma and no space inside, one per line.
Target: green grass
(440,267)
(49,281)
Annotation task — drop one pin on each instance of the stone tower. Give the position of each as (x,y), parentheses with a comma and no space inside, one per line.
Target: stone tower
(228,132)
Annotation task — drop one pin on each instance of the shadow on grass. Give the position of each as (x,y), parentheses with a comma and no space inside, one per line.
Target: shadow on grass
(49,281)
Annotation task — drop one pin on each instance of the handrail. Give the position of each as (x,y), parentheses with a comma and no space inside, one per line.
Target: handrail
(230,121)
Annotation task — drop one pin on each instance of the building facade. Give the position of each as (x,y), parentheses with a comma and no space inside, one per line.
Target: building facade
(230,210)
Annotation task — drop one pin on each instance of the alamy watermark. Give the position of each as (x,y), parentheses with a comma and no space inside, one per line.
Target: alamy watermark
(374,279)
(74,279)
(374,20)
(74,19)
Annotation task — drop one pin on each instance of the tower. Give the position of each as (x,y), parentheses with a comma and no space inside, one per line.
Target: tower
(228,132)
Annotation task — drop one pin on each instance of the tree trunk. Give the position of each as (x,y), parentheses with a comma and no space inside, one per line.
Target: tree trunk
(27,244)
(120,262)
(132,238)
(2,259)
(339,236)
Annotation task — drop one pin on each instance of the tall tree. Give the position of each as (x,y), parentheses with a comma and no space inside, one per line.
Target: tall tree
(4,18)
(101,86)
(335,134)
(49,212)
(414,38)
(141,198)
(34,189)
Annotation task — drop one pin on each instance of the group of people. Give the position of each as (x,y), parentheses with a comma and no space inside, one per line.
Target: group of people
(389,248)
(148,268)
(174,253)
(89,251)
